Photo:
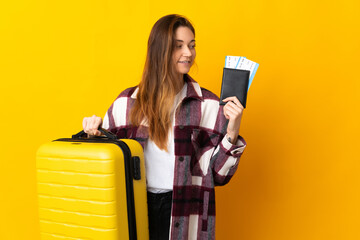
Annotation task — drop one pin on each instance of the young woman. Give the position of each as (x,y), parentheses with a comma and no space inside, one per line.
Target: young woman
(191,143)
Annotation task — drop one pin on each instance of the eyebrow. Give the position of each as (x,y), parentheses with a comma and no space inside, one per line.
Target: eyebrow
(183,41)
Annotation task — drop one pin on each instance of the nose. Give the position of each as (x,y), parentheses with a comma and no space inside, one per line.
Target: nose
(187,52)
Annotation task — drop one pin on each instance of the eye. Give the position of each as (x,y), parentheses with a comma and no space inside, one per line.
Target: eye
(178,46)
(192,46)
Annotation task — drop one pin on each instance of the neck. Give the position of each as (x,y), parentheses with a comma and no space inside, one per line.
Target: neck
(180,79)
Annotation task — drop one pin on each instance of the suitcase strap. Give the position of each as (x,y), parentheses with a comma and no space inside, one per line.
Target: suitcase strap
(108,134)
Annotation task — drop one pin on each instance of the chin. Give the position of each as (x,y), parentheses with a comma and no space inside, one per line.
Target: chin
(183,70)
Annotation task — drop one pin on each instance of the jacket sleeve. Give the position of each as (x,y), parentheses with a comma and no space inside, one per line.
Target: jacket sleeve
(116,119)
(226,156)
(106,121)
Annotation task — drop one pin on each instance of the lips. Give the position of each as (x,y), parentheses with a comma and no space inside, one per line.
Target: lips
(183,66)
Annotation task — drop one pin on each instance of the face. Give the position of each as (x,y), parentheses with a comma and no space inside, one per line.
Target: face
(184,52)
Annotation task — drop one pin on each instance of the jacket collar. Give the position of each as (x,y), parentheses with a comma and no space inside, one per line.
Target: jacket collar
(193,89)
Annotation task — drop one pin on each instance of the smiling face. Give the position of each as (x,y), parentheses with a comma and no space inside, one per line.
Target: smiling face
(184,52)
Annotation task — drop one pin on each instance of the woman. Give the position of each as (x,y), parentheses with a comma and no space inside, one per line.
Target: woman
(190,142)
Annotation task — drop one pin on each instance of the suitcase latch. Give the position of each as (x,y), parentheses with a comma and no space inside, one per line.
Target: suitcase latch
(136,168)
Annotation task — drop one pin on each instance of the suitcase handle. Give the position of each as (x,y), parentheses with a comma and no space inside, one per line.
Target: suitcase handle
(108,134)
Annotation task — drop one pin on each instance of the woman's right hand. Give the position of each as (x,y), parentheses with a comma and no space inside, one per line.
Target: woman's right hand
(91,125)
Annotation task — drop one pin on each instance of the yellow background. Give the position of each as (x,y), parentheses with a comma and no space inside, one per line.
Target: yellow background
(299,176)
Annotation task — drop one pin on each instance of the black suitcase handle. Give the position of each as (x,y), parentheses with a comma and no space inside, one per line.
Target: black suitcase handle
(108,134)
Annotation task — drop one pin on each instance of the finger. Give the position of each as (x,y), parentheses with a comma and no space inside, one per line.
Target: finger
(97,133)
(231,112)
(84,123)
(90,125)
(99,121)
(87,125)
(94,123)
(226,113)
(230,116)
(229,99)
(237,111)
(234,106)
(230,109)
(235,100)
(97,125)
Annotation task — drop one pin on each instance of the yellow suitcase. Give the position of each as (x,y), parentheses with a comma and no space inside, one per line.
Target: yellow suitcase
(92,189)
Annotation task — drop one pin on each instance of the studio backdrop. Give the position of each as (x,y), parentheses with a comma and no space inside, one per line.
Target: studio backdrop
(299,175)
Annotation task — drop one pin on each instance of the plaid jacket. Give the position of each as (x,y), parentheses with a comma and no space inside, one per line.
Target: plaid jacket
(204,158)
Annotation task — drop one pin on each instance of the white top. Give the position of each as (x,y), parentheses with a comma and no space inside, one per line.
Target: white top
(159,163)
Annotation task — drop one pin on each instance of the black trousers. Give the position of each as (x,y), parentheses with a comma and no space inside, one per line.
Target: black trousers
(159,212)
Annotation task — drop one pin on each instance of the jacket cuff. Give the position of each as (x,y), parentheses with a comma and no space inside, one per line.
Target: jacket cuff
(236,149)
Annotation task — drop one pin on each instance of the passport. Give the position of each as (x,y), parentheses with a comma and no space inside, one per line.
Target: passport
(235,82)
(238,74)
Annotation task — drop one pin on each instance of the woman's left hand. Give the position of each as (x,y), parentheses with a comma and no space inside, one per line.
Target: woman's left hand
(233,111)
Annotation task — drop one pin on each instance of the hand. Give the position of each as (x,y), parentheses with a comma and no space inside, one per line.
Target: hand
(91,125)
(233,111)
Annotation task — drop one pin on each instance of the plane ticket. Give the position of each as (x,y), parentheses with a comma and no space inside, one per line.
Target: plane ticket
(242,63)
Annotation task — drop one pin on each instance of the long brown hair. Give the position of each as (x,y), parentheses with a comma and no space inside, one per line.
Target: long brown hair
(160,81)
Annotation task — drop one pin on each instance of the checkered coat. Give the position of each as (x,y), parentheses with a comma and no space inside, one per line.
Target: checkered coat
(204,158)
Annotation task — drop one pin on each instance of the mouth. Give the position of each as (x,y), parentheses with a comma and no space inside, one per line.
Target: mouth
(184,62)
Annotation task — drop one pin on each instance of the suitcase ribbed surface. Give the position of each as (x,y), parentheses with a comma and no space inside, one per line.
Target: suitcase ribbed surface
(82,191)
